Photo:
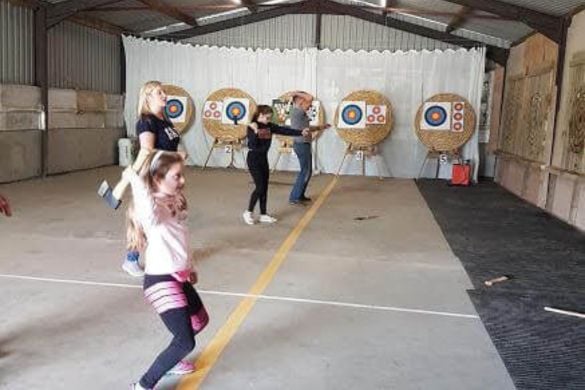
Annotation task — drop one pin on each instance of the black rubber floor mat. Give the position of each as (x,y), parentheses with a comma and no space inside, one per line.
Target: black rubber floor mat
(541,350)
(495,233)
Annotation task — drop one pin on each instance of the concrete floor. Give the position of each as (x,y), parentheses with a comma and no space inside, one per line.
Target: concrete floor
(56,334)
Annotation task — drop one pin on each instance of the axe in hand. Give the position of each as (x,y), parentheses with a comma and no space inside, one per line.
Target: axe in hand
(113,197)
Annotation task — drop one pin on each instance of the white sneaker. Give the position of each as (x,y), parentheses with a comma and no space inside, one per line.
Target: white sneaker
(136,386)
(265,218)
(184,367)
(248,217)
(133,268)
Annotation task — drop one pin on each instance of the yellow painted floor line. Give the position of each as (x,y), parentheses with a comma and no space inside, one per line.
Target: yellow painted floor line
(213,350)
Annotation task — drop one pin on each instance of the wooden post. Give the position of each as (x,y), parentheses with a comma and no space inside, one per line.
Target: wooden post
(559,80)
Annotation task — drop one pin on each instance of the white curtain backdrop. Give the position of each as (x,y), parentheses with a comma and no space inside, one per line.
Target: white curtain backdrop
(406,78)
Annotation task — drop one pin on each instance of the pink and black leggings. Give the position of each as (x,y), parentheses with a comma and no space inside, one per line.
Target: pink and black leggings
(183,313)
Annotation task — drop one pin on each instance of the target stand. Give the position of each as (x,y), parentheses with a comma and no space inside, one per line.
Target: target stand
(226,114)
(363,120)
(230,146)
(442,157)
(444,123)
(286,147)
(362,153)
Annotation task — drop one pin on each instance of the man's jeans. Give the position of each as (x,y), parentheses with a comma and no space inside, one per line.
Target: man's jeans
(303,152)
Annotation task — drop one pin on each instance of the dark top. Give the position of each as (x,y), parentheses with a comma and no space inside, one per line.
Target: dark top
(261,142)
(166,137)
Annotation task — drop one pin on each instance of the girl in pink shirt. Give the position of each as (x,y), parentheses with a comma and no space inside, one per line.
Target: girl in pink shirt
(157,226)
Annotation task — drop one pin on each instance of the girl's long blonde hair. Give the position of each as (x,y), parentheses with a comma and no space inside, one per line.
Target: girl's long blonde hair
(143,106)
(156,166)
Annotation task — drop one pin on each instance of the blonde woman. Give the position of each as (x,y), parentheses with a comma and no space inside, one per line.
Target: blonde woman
(154,131)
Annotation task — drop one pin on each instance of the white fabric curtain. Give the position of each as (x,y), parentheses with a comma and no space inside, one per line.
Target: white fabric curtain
(406,78)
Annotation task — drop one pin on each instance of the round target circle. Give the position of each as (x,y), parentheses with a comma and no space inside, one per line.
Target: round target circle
(207,114)
(352,114)
(458,106)
(376,110)
(371,118)
(217,114)
(457,126)
(381,118)
(435,115)
(174,108)
(236,111)
(458,116)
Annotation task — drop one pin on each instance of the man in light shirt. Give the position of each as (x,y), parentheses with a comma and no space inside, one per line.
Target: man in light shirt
(299,120)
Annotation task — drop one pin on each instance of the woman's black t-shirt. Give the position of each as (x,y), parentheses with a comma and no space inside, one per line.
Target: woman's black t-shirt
(166,137)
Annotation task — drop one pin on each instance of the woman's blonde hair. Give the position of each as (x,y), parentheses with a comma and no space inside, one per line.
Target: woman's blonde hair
(143,106)
(155,168)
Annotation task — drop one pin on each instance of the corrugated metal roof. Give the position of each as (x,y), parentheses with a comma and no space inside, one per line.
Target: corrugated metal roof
(490,31)
(137,21)
(552,7)
(436,14)
(225,15)
(428,5)
(190,7)
(506,30)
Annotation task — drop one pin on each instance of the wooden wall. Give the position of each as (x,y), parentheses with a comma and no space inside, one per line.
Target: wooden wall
(541,155)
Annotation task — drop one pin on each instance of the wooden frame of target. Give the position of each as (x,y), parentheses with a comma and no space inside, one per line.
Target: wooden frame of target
(363,119)
(180,109)
(281,108)
(444,123)
(226,115)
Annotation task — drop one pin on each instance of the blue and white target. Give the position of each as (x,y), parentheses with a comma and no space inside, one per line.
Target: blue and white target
(174,109)
(236,111)
(352,114)
(436,116)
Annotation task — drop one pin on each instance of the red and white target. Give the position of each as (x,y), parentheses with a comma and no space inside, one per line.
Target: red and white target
(458,117)
(376,114)
(212,110)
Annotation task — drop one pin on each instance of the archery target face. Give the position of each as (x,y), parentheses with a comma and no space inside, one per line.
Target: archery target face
(458,115)
(436,116)
(376,114)
(235,111)
(176,108)
(313,113)
(352,115)
(281,111)
(212,110)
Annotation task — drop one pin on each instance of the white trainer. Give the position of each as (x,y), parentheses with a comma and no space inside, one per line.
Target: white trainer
(248,217)
(265,218)
(133,268)
(184,367)
(136,386)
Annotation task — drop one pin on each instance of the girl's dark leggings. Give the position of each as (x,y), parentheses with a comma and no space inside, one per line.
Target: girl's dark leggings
(258,166)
